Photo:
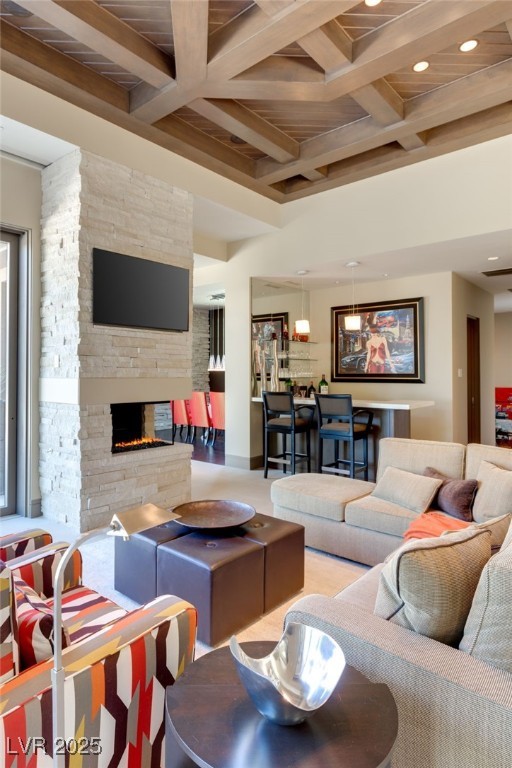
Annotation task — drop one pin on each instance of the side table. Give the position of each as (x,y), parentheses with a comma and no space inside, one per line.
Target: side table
(212,723)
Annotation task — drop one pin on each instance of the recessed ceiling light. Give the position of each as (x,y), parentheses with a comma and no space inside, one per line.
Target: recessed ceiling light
(385,274)
(492,258)
(421,66)
(468,45)
(371,3)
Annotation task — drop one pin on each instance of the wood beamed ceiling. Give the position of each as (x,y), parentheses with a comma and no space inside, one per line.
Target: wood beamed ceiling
(286,97)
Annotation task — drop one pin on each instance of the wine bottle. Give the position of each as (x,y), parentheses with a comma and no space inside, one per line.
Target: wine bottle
(311,390)
(323,386)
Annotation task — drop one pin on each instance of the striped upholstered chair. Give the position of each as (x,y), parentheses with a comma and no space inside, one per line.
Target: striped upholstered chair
(117,665)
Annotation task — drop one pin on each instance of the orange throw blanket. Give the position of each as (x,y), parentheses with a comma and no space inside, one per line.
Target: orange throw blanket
(431,524)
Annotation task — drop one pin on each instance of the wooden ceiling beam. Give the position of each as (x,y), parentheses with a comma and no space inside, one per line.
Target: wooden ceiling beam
(381,101)
(483,90)
(58,66)
(431,27)
(241,122)
(190,35)
(102,32)
(329,46)
(413,141)
(484,126)
(207,145)
(254,35)
(316,174)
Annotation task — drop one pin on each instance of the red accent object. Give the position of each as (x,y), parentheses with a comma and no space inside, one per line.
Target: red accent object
(431,524)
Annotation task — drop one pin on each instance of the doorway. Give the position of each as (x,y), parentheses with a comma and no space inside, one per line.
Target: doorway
(473,368)
(9,269)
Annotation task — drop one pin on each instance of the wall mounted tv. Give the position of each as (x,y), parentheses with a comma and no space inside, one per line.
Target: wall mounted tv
(138,293)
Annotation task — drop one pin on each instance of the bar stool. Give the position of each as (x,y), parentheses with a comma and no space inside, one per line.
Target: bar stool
(280,417)
(337,421)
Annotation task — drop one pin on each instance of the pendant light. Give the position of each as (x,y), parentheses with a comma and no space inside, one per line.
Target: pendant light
(211,362)
(353,321)
(302,325)
(218,364)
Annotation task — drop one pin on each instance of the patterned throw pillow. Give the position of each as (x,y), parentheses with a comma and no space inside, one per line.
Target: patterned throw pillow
(454,497)
(428,584)
(35,626)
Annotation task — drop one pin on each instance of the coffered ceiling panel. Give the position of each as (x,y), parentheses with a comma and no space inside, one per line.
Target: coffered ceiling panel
(287,97)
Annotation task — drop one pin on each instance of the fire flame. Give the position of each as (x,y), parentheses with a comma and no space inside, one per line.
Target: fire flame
(143,442)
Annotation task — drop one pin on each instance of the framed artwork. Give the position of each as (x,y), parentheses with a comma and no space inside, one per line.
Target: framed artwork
(389,346)
(264,326)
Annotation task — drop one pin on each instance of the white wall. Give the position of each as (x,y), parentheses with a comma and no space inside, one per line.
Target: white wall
(503,349)
(20,193)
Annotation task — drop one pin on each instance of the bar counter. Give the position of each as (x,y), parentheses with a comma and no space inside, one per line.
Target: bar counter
(391,418)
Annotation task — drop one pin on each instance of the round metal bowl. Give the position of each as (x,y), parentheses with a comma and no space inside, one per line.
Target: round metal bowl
(213,513)
(293,681)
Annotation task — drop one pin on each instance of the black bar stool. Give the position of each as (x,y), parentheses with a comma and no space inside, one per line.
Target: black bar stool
(281,417)
(337,421)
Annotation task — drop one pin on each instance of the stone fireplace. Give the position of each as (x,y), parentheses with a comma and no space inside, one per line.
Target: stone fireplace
(88,369)
(134,426)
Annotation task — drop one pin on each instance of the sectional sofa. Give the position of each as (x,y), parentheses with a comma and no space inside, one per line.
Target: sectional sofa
(345,517)
(434,620)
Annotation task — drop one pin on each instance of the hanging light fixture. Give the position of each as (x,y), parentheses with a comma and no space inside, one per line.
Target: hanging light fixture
(211,362)
(353,321)
(302,326)
(218,364)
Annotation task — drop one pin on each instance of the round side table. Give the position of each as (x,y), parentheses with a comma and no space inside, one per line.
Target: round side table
(211,722)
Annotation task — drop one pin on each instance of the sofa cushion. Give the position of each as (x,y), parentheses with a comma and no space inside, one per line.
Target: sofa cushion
(375,514)
(317,494)
(494,495)
(454,497)
(416,455)
(433,523)
(363,591)
(478,452)
(407,489)
(487,630)
(428,584)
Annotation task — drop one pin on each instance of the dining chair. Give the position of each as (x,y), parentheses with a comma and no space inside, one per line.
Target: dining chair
(217,405)
(200,416)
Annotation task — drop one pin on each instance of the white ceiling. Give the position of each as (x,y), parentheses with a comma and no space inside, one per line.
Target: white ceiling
(468,257)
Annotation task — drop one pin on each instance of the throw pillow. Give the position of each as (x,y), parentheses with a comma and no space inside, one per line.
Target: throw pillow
(428,584)
(35,626)
(414,492)
(494,495)
(433,524)
(487,630)
(498,527)
(455,497)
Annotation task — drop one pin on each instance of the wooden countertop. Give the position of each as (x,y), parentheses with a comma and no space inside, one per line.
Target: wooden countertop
(388,405)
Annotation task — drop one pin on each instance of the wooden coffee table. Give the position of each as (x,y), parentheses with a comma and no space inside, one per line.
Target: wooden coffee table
(211,722)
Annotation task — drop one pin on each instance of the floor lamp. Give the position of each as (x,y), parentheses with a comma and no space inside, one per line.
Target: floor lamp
(122,524)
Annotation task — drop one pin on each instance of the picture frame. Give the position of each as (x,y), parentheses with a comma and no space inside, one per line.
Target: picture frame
(388,347)
(263,326)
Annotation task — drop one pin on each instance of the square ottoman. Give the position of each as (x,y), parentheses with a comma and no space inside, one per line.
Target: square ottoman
(222,575)
(135,560)
(283,546)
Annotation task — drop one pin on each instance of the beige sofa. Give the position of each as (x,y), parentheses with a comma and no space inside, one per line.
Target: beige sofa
(454,707)
(342,517)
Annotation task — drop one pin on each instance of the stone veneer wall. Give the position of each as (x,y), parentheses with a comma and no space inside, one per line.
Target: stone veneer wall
(200,350)
(91,202)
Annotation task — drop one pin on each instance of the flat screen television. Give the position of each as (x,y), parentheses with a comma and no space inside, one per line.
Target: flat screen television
(138,293)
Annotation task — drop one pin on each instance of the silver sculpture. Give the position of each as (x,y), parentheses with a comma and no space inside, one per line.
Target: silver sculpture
(293,681)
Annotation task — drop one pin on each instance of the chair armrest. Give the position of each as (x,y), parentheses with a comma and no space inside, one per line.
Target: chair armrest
(453,709)
(37,569)
(361,411)
(16,544)
(115,683)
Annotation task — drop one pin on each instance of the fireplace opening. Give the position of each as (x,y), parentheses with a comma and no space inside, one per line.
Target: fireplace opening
(136,426)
